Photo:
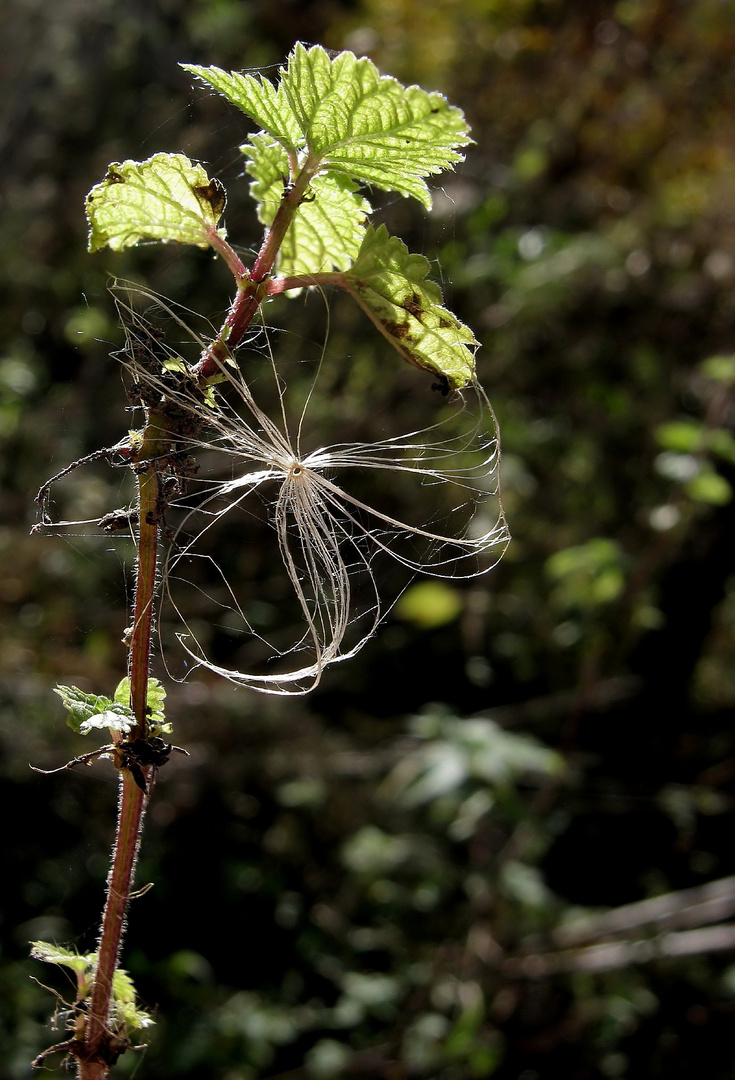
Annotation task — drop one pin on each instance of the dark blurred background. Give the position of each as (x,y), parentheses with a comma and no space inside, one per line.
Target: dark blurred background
(391,878)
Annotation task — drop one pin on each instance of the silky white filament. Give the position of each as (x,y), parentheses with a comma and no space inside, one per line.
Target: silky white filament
(327,536)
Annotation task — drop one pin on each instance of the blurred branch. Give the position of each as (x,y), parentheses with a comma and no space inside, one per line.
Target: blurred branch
(686,908)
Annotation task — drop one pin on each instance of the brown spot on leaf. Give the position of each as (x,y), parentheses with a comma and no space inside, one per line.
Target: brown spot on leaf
(412,304)
(214,193)
(397,330)
(113,176)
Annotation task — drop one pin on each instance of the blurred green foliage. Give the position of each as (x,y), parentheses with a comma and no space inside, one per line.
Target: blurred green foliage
(340,882)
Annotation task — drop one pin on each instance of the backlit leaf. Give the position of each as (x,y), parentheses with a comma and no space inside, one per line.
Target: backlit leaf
(166,198)
(57,954)
(391,286)
(259,99)
(124,1006)
(339,114)
(328,226)
(86,710)
(155,702)
(108,720)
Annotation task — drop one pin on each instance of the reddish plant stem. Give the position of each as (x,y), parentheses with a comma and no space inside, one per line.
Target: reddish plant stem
(278,285)
(292,198)
(100,1041)
(227,254)
(132,801)
(253,290)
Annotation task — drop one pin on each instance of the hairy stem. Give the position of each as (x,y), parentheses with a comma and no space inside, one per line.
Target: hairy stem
(100,1045)
(252,290)
(100,1049)
(145,585)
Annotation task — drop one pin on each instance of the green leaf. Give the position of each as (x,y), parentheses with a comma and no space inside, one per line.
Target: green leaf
(125,1009)
(108,720)
(587,576)
(340,115)
(88,712)
(156,700)
(681,436)
(259,99)
(429,604)
(166,198)
(722,443)
(690,437)
(328,226)
(389,283)
(709,487)
(719,368)
(124,998)
(57,954)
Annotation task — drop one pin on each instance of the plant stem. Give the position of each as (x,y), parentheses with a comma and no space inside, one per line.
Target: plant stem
(145,584)
(100,1041)
(101,1047)
(252,290)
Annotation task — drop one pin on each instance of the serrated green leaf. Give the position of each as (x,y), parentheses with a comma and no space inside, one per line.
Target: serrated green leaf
(156,701)
(134,1018)
(111,720)
(370,126)
(85,711)
(390,284)
(57,954)
(340,115)
(124,997)
(327,230)
(124,1004)
(259,99)
(329,225)
(268,166)
(166,198)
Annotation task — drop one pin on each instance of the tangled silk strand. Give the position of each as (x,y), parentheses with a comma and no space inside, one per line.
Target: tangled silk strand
(327,537)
